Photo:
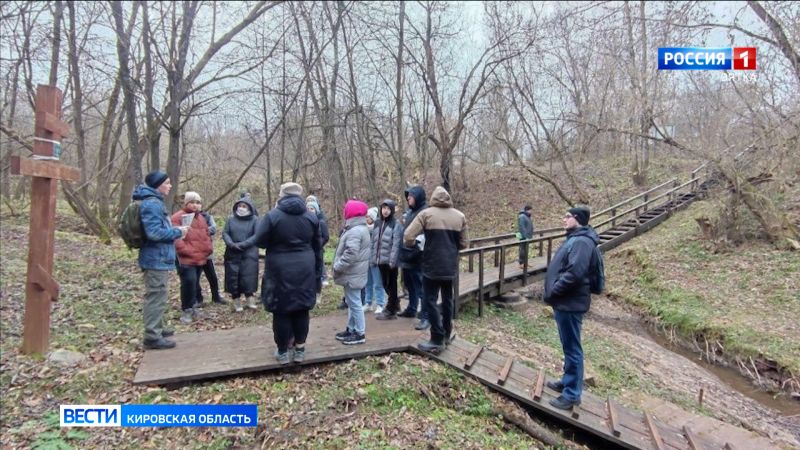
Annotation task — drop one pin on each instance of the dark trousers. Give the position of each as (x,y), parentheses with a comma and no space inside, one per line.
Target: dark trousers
(291,326)
(389,279)
(441,324)
(413,280)
(523,252)
(213,281)
(569,330)
(190,285)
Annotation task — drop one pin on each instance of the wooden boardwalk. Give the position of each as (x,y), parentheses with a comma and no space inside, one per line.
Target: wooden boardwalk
(213,354)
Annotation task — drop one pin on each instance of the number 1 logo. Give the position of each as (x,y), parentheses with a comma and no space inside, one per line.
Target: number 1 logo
(744,58)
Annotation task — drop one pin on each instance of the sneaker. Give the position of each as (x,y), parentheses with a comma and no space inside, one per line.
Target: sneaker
(343,305)
(431,347)
(386,315)
(199,304)
(218,300)
(555,385)
(299,355)
(450,340)
(408,313)
(378,309)
(158,344)
(251,302)
(423,324)
(325,283)
(282,358)
(342,335)
(186,317)
(167,333)
(563,403)
(354,338)
(368,307)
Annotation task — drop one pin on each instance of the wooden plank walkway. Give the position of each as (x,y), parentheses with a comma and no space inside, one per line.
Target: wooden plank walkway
(213,354)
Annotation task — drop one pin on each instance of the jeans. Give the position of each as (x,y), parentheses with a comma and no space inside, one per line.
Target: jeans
(355,310)
(569,330)
(190,285)
(413,280)
(290,326)
(441,324)
(374,287)
(156,284)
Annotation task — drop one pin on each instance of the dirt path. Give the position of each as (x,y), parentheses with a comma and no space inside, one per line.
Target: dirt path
(670,377)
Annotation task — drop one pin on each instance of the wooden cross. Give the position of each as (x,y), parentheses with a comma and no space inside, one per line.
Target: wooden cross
(41,289)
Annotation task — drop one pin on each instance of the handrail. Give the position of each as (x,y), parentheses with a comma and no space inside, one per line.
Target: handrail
(665,194)
(642,194)
(500,237)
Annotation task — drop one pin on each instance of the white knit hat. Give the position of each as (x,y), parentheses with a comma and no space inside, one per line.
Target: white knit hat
(191,196)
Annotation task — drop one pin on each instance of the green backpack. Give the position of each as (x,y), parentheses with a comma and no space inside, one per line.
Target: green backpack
(130,225)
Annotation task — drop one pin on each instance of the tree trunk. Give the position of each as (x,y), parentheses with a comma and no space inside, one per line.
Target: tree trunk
(398,93)
(55,54)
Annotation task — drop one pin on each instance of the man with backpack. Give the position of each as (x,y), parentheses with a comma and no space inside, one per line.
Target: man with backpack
(574,272)
(156,240)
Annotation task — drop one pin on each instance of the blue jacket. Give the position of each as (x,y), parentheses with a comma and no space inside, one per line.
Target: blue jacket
(566,286)
(158,249)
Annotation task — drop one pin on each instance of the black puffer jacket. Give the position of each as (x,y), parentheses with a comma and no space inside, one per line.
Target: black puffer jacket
(241,266)
(293,265)
(566,286)
(411,257)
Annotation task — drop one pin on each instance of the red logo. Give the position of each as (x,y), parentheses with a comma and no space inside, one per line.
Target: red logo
(744,58)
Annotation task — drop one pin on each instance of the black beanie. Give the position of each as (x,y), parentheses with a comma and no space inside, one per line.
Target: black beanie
(581,214)
(155,178)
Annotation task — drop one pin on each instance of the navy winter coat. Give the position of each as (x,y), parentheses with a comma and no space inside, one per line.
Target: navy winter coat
(241,266)
(158,250)
(293,265)
(566,286)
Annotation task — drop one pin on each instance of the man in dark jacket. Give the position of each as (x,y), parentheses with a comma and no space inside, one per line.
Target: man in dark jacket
(241,266)
(292,269)
(410,260)
(566,289)
(525,230)
(156,256)
(445,231)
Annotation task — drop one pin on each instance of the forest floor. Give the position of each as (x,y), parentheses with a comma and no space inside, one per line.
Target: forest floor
(402,400)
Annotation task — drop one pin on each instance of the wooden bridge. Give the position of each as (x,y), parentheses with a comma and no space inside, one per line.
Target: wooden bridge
(486,273)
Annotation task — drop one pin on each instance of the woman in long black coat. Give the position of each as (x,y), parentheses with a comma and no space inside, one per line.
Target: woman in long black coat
(292,269)
(241,266)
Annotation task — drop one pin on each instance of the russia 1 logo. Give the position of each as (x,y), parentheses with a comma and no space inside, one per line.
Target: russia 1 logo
(744,58)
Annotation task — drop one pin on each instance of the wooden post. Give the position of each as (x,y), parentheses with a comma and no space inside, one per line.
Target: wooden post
(480,283)
(41,289)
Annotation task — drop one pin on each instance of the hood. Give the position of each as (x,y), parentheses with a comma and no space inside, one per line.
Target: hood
(392,206)
(247,201)
(292,204)
(418,192)
(523,211)
(143,191)
(441,198)
(585,230)
(355,221)
(355,208)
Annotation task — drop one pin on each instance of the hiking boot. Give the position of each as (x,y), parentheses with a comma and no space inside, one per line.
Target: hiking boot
(378,309)
(158,344)
(167,333)
(282,358)
(386,315)
(563,403)
(423,324)
(251,303)
(299,355)
(431,347)
(555,385)
(342,335)
(354,338)
(408,313)
(186,317)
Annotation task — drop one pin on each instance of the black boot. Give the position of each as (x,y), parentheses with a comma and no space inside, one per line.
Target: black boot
(216,298)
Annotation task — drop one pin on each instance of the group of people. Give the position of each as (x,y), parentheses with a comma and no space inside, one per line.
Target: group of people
(374,247)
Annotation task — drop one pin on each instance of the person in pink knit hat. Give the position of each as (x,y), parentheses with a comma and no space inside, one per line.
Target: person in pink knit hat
(350,267)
